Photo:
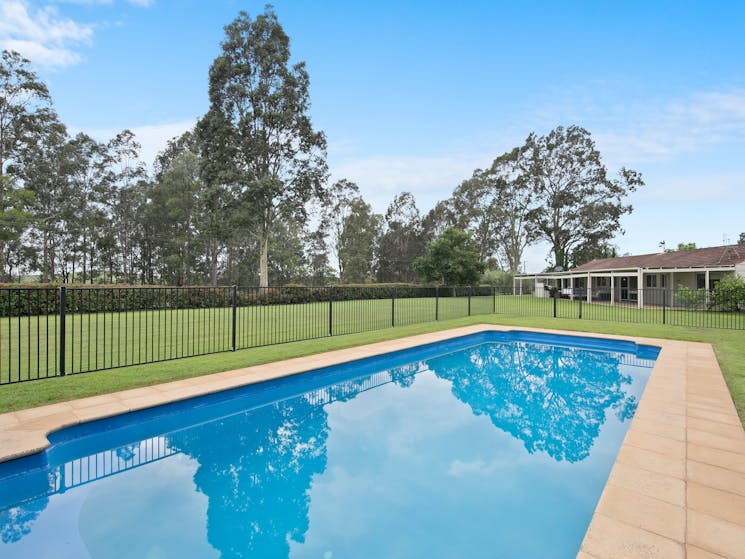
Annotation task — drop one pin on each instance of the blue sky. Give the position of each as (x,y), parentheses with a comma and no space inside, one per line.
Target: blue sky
(416,95)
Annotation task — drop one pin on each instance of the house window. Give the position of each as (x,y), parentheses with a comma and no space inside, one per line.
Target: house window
(700,281)
(651,280)
(601,282)
(663,279)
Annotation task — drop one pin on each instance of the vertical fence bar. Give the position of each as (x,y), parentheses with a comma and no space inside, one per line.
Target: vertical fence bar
(664,304)
(331,310)
(393,307)
(62,329)
(470,291)
(553,296)
(10,338)
(19,308)
(437,303)
(580,309)
(234,303)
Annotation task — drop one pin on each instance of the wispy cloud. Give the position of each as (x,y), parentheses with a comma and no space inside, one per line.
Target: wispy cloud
(44,35)
(152,138)
(138,3)
(664,188)
(41,34)
(676,128)
(429,178)
(633,125)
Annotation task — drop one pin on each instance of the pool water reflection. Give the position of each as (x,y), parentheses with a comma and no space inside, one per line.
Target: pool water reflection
(475,448)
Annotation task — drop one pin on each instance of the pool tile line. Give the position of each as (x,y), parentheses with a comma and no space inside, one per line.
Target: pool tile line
(676,490)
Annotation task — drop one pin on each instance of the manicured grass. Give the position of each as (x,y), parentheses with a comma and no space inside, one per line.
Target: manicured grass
(30,348)
(34,393)
(626,312)
(729,346)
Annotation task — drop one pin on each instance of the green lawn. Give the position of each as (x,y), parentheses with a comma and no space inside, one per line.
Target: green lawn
(565,308)
(30,348)
(728,344)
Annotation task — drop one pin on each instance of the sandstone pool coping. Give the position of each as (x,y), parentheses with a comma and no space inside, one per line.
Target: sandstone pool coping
(676,490)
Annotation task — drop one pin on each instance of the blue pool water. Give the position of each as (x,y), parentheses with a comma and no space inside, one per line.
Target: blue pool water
(496,445)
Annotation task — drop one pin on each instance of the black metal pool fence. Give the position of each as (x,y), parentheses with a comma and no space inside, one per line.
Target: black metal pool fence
(55,331)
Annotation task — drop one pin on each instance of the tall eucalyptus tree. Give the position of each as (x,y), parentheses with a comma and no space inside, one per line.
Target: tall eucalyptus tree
(575,202)
(257,135)
(24,102)
(25,106)
(495,205)
(401,241)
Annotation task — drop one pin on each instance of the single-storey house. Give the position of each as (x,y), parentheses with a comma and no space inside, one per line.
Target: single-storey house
(646,279)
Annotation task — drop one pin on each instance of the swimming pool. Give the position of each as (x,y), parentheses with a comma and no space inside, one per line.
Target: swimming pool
(492,445)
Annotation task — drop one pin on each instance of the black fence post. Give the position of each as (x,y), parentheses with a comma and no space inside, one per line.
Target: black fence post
(437,303)
(554,298)
(62,331)
(393,307)
(664,304)
(580,309)
(494,300)
(470,290)
(234,303)
(331,310)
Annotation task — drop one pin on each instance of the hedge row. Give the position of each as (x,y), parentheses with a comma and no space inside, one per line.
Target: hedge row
(21,300)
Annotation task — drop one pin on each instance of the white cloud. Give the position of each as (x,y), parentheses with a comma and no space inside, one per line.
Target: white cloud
(670,187)
(41,35)
(666,133)
(153,138)
(675,128)
(40,54)
(429,178)
(46,37)
(86,2)
(138,3)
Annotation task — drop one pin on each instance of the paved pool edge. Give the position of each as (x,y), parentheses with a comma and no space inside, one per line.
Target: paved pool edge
(677,488)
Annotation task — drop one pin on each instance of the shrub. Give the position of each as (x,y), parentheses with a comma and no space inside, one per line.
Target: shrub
(729,294)
(23,300)
(691,299)
(497,278)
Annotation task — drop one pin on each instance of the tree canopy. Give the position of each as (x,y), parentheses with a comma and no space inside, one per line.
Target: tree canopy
(243,197)
(258,131)
(574,200)
(452,259)
(25,105)
(401,240)
(495,205)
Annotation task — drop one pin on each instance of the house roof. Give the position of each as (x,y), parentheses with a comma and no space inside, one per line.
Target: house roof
(728,255)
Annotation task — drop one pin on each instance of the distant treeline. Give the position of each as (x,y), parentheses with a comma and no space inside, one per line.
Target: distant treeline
(22,300)
(244,197)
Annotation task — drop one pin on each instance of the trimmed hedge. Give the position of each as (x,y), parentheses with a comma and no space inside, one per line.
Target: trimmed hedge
(44,299)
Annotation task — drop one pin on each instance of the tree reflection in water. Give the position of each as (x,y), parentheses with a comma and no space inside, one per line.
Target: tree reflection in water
(256,468)
(16,522)
(551,398)
(256,474)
